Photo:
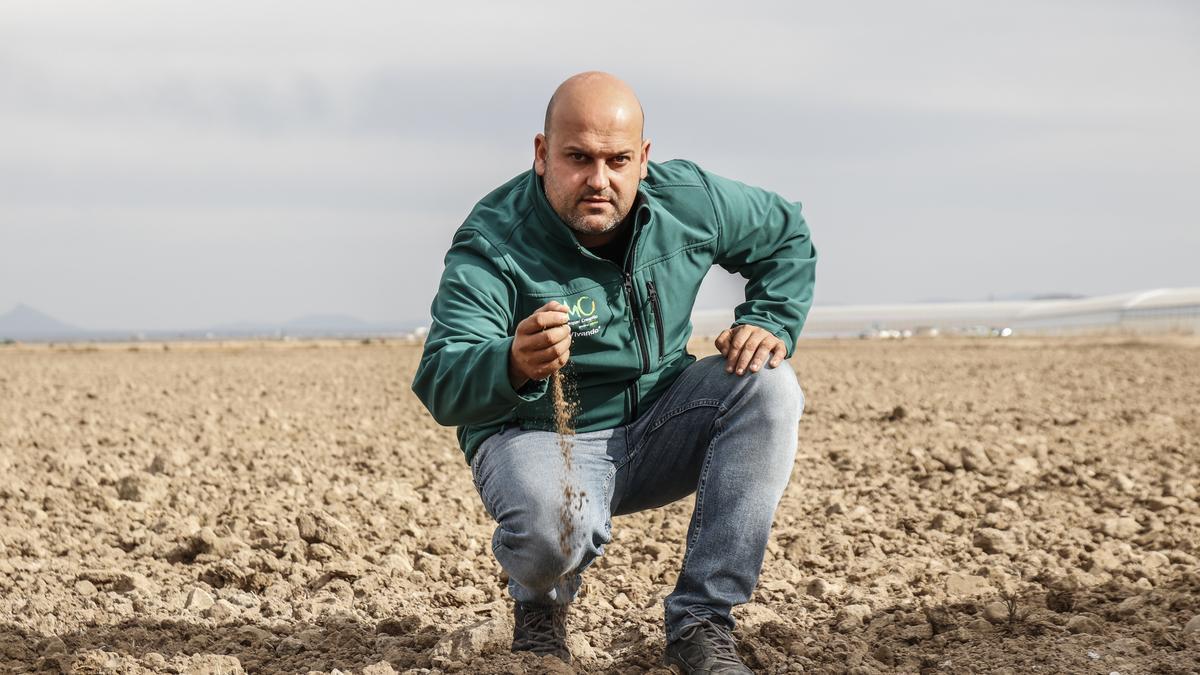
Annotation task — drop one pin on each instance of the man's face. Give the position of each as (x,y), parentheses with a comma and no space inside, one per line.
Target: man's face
(591,173)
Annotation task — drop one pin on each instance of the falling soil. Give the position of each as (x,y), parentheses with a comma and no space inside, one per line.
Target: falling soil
(566,405)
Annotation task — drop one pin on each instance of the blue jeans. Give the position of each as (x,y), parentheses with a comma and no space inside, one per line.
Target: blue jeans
(729,439)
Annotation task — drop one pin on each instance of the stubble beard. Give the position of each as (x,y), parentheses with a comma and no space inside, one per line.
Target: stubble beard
(578,222)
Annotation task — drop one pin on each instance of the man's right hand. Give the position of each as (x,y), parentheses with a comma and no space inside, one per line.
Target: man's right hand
(541,346)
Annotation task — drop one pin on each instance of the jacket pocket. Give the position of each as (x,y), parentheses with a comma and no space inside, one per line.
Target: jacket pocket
(652,292)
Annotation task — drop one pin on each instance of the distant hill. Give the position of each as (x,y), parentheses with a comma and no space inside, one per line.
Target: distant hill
(26,323)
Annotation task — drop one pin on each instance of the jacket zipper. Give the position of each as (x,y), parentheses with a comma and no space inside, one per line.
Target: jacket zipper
(658,320)
(637,323)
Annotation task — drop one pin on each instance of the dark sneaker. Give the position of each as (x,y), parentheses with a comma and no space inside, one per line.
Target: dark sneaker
(541,629)
(706,649)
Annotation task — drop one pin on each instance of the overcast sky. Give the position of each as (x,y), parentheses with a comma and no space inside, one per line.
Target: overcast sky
(175,165)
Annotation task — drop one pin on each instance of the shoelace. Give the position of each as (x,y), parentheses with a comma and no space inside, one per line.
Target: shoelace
(724,649)
(542,632)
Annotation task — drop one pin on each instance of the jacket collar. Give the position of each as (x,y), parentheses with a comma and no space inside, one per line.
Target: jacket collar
(559,231)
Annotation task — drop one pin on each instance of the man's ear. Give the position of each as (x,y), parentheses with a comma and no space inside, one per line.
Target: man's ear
(540,148)
(645,157)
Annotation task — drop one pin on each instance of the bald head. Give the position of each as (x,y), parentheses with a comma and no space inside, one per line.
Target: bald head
(594,100)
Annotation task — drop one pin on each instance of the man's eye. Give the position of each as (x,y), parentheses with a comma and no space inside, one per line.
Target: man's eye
(577,156)
(621,159)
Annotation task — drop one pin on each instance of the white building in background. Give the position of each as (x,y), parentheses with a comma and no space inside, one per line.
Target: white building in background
(1167,310)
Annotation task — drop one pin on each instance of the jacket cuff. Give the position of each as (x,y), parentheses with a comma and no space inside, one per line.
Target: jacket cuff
(530,391)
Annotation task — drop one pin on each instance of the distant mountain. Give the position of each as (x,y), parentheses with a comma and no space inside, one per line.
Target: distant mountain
(26,323)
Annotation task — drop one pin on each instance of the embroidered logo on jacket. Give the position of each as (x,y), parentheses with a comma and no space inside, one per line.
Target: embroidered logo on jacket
(583,318)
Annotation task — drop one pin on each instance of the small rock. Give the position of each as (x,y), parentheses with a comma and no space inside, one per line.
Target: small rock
(579,646)
(319,527)
(980,625)
(1192,626)
(1129,646)
(198,600)
(851,617)
(1124,483)
(948,522)
(222,610)
(949,460)
(974,458)
(469,595)
(621,601)
(1130,605)
(967,584)
(168,462)
(1102,559)
(212,664)
(818,588)
(121,582)
(470,641)
(380,668)
(884,655)
(996,612)
(1084,624)
(139,488)
(85,588)
(752,617)
(1120,528)
(992,540)
(1025,465)
(253,635)
(1154,560)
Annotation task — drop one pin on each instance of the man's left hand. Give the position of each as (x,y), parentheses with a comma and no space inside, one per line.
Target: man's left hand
(745,346)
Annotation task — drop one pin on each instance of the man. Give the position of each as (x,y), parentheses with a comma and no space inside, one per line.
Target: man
(594,259)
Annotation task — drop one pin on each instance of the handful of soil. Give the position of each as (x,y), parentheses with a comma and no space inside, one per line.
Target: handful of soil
(566,405)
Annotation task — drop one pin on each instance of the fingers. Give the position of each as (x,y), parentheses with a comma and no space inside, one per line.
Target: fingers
(762,353)
(749,347)
(545,338)
(722,342)
(738,338)
(778,354)
(541,320)
(542,344)
(545,362)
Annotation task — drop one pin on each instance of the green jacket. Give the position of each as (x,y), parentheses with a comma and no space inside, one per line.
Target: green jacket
(629,326)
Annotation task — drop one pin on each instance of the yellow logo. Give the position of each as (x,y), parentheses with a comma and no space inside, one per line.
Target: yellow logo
(583,319)
(584,306)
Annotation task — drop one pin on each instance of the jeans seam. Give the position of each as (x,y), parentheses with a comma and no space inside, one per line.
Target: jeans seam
(667,417)
(607,507)
(698,511)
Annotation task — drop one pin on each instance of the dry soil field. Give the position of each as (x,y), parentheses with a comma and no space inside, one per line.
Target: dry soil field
(291,507)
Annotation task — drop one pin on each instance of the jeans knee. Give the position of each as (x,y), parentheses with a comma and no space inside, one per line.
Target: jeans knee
(536,561)
(777,395)
(539,549)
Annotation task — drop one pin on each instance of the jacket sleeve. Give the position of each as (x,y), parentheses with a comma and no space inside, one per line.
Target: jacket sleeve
(463,375)
(764,238)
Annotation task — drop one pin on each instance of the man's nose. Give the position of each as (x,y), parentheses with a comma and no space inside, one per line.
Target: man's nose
(598,177)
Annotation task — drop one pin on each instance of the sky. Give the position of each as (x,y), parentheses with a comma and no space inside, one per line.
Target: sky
(178,165)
